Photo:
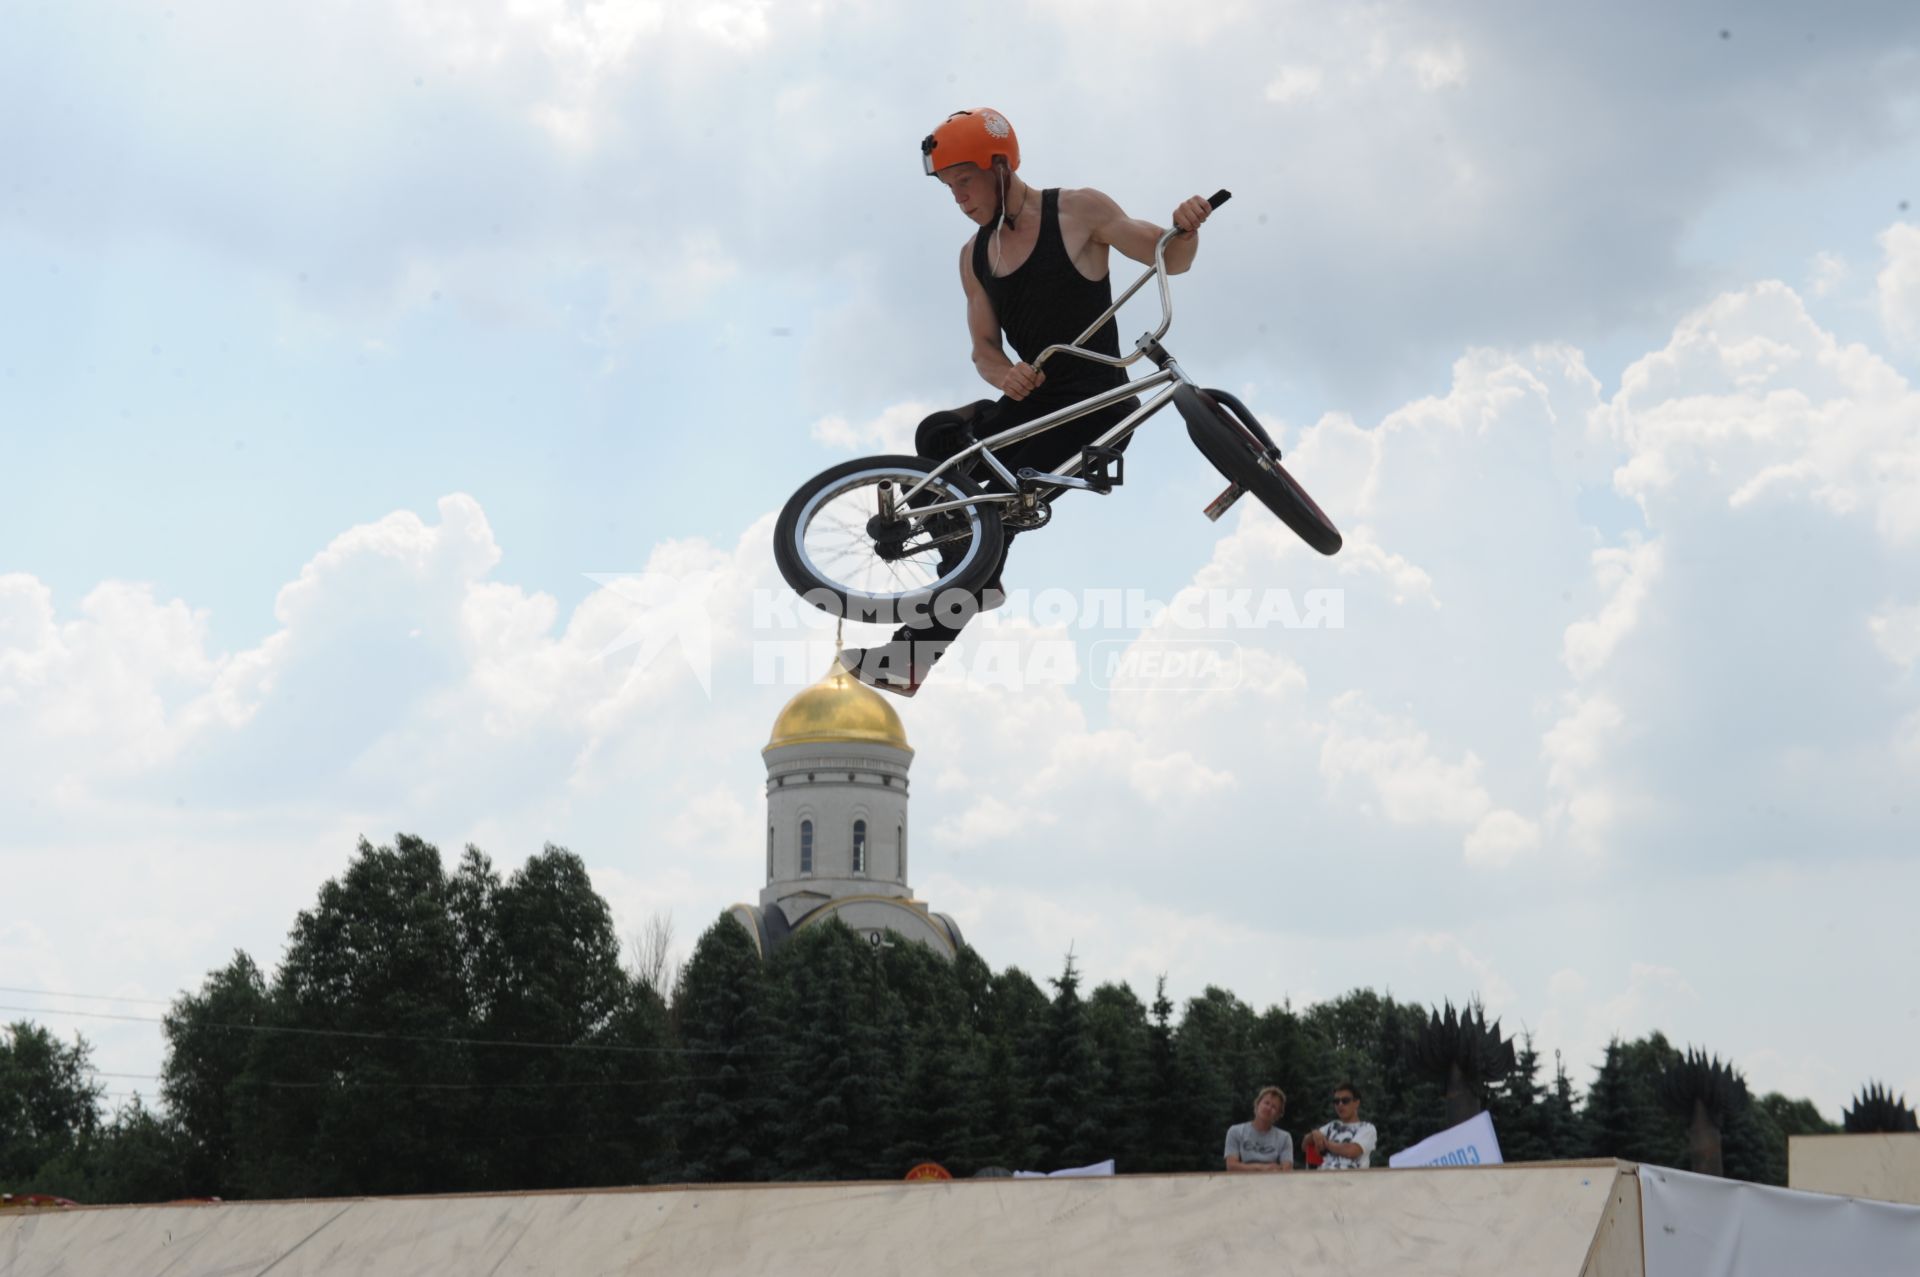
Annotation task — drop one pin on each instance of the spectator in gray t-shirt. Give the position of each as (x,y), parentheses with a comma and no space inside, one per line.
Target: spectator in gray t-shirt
(1260,1145)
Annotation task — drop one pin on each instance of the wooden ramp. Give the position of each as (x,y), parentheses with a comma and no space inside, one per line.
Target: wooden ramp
(1581,1219)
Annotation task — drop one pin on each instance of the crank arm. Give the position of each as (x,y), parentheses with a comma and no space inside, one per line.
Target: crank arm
(1031,478)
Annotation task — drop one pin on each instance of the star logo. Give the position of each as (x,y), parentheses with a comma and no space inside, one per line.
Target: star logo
(664,611)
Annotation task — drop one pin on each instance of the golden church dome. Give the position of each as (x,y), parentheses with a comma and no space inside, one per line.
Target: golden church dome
(838,708)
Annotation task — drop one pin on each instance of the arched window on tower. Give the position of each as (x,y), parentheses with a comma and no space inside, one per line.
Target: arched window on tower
(806,846)
(900,843)
(859,846)
(769,853)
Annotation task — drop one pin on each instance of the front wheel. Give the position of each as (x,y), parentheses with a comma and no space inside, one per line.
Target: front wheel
(840,546)
(1240,449)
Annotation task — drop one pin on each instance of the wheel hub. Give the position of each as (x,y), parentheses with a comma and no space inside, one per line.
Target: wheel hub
(889,533)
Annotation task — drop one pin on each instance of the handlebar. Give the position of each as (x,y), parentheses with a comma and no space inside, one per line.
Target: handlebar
(1157,270)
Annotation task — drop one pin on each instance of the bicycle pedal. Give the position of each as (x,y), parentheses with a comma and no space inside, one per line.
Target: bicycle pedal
(1105,469)
(1224,502)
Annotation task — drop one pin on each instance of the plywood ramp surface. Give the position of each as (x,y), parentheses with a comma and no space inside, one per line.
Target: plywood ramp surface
(1537,1220)
(1884,1167)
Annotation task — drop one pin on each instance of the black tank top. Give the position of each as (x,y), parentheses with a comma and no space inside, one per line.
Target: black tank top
(1048,300)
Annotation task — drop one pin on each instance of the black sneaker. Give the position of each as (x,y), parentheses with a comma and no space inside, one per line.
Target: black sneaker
(888,668)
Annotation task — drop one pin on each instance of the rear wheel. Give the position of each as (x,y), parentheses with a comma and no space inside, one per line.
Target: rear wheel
(1229,436)
(851,546)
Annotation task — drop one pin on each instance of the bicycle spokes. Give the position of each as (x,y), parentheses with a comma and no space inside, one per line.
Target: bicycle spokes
(859,535)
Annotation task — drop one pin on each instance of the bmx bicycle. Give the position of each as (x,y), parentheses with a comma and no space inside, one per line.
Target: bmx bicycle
(880,538)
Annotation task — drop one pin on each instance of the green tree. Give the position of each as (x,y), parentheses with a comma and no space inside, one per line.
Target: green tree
(838,1095)
(1365,1038)
(1623,1116)
(139,1156)
(1121,1104)
(1216,1053)
(211,1038)
(1013,1011)
(1521,1116)
(1562,1126)
(49,1106)
(1066,1130)
(729,1028)
(1168,1091)
(941,1108)
(1795,1117)
(588,1109)
(360,1089)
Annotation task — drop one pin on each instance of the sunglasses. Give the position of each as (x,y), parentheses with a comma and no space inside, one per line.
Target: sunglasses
(1343,1099)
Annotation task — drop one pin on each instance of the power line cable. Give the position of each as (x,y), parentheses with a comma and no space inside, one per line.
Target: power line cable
(87,997)
(401,1037)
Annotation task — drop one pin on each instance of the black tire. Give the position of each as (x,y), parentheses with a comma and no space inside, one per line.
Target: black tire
(1232,439)
(826,552)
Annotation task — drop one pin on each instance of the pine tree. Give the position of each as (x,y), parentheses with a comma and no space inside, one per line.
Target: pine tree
(837,1100)
(1120,1105)
(1214,1053)
(1168,1089)
(941,1111)
(1066,1132)
(1013,1013)
(724,1008)
(1562,1127)
(1516,1105)
(1623,1116)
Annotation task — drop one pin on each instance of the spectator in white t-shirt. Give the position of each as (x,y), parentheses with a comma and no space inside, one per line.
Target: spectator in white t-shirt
(1346,1142)
(1260,1145)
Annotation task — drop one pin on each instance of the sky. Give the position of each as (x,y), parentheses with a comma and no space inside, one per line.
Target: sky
(396,399)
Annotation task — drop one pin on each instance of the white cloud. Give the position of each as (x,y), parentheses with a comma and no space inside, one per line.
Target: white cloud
(1898,286)
(1649,986)
(1295,84)
(107,694)
(1500,837)
(1628,573)
(1361,553)
(1496,993)
(1396,761)
(1576,748)
(1438,67)
(1896,629)
(1753,401)
(890,433)
(1826,273)
(1566,983)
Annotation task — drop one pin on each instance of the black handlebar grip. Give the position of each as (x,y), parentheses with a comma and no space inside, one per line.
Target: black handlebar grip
(1219,197)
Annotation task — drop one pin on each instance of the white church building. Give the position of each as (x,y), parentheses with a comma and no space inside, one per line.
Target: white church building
(837,829)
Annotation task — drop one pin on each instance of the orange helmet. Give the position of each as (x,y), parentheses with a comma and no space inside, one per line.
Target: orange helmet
(971,137)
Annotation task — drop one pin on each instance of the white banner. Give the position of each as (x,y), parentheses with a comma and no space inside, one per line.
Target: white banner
(1071,1172)
(1704,1226)
(1472,1143)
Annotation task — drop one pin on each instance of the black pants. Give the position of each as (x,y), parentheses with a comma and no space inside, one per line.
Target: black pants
(945,433)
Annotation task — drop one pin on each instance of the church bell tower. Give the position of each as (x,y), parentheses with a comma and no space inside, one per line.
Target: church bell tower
(837,835)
